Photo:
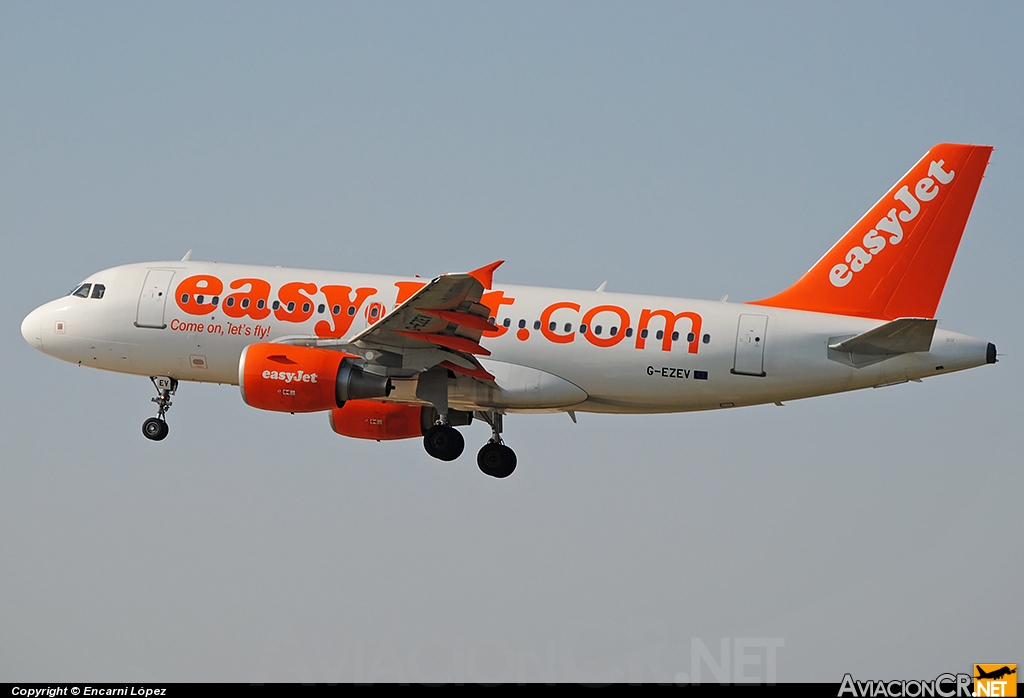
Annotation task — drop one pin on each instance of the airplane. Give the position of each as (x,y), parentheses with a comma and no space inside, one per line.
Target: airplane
(397,357)
(996,674)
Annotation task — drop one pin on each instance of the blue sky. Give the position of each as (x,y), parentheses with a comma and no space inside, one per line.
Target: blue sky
(676,149)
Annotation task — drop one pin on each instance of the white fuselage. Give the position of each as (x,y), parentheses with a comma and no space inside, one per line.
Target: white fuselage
(723,355)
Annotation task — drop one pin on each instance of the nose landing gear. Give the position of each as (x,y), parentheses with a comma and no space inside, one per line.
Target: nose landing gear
(155,428)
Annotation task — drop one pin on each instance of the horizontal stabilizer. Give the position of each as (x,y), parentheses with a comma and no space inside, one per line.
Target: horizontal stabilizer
(901,336)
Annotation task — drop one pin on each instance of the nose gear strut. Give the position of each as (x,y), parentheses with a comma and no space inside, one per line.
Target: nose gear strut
(155,428)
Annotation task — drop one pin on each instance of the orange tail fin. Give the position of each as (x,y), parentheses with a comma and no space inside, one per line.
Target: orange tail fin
(894,262)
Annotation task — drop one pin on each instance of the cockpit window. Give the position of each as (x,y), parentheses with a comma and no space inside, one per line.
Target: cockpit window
(82,291)
(97,290)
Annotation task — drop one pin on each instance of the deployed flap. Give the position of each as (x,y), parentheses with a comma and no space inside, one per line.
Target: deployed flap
(446,316)
(901,336)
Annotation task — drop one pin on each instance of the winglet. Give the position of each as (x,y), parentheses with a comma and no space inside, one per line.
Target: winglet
(486,274)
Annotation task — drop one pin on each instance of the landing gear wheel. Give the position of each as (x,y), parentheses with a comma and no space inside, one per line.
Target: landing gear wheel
(496,460)
(155,429)
(443,442)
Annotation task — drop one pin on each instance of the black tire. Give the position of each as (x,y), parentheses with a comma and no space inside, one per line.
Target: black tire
(496,460)
(443,442)
(155,429)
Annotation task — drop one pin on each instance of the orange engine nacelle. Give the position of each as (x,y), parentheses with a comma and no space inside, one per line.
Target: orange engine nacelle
(286,378)
(381,421)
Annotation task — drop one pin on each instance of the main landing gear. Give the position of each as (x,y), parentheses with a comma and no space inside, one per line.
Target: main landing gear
(444,442)
(155,428)
(495,458)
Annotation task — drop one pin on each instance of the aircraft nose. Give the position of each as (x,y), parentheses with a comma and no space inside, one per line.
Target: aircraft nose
(32,329)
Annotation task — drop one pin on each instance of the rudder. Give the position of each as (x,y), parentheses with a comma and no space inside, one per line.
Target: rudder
(895,261)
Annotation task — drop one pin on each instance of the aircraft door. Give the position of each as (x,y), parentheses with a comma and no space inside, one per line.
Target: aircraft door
(750,335)
(153,298)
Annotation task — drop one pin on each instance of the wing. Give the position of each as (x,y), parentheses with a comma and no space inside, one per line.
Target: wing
(439,325)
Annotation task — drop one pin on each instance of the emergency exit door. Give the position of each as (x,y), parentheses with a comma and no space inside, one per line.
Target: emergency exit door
(153,299)
(749,357)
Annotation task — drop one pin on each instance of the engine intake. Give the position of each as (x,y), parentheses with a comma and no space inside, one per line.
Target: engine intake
(285,378)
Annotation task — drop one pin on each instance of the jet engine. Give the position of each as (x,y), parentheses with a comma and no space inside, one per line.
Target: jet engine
(285,378)
(382,421)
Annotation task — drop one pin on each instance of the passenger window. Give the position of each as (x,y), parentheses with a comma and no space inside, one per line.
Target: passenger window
(306,307)
(536,324)
(614,331)
(583,329)
(82,291)
(277,304)
(660,334)
(200,299)
(675,336)
(522,324)
(98,290)
(643,333)
(629,331)
(507,322)
(568,327)
(216,300)
(374,311)
(597,329)
(707,338)
(184,298)
(351,310)
(320,309)
(552,326)
(336,310)
(690,337)
(245,302)
(261,304)
(291,306)
(230,302)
